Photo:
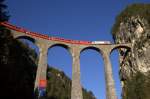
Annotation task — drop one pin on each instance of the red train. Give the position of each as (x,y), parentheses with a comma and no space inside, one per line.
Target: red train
(34,34)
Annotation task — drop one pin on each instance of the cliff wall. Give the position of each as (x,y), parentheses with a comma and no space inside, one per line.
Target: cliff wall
(133,26)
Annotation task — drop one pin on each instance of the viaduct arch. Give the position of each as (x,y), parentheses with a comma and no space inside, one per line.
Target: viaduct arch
(43,42)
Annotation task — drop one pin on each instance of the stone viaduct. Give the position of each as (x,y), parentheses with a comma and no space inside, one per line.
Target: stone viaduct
(75,50)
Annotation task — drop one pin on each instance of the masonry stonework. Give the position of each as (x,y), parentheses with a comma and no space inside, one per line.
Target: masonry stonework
(75,50)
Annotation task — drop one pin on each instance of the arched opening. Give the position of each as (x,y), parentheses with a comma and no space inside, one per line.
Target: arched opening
(59,72)
(116,60)
(125,47)
(29,42)
(26,38)
(92,72)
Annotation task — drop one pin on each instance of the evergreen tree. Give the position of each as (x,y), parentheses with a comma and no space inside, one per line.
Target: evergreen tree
(17,69)
(5,35)
(3,11)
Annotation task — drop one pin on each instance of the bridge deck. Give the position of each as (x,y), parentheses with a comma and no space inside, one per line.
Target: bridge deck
(43,36)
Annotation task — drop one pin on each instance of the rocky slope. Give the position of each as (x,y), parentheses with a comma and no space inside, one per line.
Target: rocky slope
(59,86)
(133,26)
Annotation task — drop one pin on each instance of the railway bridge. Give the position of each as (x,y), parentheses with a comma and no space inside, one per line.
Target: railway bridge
(75,47)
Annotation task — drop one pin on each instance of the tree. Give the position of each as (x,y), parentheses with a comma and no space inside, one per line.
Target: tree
(4,33)
(3,11)
(17,69)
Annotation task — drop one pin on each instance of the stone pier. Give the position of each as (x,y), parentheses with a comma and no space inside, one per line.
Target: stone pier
(110,84)
(76,91)
(41,73)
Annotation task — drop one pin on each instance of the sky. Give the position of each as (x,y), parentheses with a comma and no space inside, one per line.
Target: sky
(90,20)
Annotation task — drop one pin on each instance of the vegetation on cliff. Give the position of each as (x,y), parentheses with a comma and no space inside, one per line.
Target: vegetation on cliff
(142,10)
(17,69)
(59,86)
(138,87)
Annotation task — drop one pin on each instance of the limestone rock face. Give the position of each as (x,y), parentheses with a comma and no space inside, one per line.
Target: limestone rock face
(134,30)
(133,26)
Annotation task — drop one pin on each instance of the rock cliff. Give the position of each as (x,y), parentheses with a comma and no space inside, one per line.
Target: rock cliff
(133,26)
